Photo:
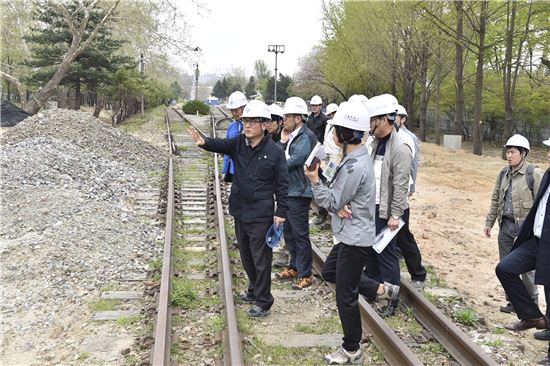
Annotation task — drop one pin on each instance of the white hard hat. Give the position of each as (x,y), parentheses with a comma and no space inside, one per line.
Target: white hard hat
(547,142)
(236,99)
(331,108)
(256,108)
(381,105)
(518,141)
(316,100)
(353,116)
(401,110)
(295,105)
(276,110)
(358,98)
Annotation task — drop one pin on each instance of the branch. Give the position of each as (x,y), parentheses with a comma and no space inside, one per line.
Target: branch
(92,35)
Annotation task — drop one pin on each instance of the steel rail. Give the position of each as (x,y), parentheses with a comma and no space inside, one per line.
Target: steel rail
(394,349)
(455,341)
(161,349)
(233,354)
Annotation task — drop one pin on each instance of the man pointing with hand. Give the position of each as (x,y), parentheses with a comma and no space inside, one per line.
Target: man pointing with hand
(260,173)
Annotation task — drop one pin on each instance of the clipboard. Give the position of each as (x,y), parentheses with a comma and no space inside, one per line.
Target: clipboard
(385,236)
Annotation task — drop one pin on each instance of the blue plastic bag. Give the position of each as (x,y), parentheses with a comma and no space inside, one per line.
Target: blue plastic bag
(273,235)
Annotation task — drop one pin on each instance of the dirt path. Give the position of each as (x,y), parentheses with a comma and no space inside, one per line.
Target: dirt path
(448,215)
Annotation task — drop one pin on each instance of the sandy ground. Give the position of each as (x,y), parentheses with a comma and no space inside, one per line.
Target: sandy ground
(447,217)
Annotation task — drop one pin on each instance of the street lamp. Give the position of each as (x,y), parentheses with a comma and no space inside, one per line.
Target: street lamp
(277,48)
(197,51)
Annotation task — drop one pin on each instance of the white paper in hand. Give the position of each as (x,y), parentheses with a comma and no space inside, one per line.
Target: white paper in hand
(317,152)
(385,236)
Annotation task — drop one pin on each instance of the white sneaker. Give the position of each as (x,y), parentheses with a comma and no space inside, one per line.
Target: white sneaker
(391,292)
(343,357)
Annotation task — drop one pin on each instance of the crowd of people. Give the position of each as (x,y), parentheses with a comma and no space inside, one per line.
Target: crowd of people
(363,185)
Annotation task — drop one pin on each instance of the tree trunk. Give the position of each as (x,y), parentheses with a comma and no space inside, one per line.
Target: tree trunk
(459,65)
(20,88)
(507,77)
(424,93)
(98,106)
(478,99)
(77,97)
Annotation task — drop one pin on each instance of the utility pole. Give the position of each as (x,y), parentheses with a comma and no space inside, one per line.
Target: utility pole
(141,69)
(276,48)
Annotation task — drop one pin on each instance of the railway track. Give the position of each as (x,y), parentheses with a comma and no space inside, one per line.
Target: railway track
(199,198)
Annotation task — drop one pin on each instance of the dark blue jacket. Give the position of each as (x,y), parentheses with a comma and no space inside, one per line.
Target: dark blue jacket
(542,269)
(260,173)
(317,125)
(299,150)
(234,128)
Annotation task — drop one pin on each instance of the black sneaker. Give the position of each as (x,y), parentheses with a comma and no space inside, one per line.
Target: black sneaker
(543,335)
(257,312)
(508,309)
(247,297)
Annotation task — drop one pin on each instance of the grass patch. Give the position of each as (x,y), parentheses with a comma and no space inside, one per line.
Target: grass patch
(82,355)
(404,323)
(184,294)
(497,343)
(216,323)
(432,280)
(466,316)
(104,304)
(430,297)
(498,330)
(432,347)
(136,121)
(244,323)
(131,359)
(260,353)
(322,326)
(156,264)
(125,321)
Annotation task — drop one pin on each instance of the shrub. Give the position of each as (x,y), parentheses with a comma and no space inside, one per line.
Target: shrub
(193,106)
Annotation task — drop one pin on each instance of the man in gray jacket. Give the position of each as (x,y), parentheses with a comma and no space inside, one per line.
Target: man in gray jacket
(392,165)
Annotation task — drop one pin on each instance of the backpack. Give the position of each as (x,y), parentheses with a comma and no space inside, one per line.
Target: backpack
(528,176)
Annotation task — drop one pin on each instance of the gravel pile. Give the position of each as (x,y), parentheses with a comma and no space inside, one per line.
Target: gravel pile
(70,226)
(90,134)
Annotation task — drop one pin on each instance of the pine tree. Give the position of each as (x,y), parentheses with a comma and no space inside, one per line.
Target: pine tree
(250,88)
(219,90)
(92,69)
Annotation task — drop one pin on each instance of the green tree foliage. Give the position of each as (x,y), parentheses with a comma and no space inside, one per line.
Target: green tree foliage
(284,86)
(219,90)
(176,90)
(194,106)
(408,49)
(250,88)
(50,40)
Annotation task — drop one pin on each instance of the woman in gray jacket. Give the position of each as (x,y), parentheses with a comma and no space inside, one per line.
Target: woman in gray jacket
(352,186)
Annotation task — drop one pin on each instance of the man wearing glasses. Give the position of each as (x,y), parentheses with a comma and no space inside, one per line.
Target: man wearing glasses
(260,174)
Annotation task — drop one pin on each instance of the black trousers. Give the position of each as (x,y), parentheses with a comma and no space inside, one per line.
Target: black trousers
(521,260)
(384,266)
(344,267)
(297,235)
(367,286)
(256,257)
(409,249)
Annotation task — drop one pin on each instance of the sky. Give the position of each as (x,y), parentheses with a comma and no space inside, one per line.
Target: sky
(235,33)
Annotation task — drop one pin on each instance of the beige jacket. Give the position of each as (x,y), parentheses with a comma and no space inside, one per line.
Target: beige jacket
(522,197)
(394,181)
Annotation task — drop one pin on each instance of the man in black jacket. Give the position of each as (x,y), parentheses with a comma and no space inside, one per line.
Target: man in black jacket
(317,121)
(531,251)
(260,172)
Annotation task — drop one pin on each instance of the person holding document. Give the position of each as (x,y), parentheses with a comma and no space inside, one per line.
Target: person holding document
(392,161)
(353,185)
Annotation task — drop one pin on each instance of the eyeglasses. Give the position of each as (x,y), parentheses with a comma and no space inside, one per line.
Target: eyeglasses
(252,121)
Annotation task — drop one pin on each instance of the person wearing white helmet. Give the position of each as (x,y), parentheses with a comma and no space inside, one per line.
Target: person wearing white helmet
(515,188)
(353,186)
(298,141)
(317,120)
(235,104)
(333,157)
(261,174)
(392,161)
(405,239)
(531,251)
(275,126)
